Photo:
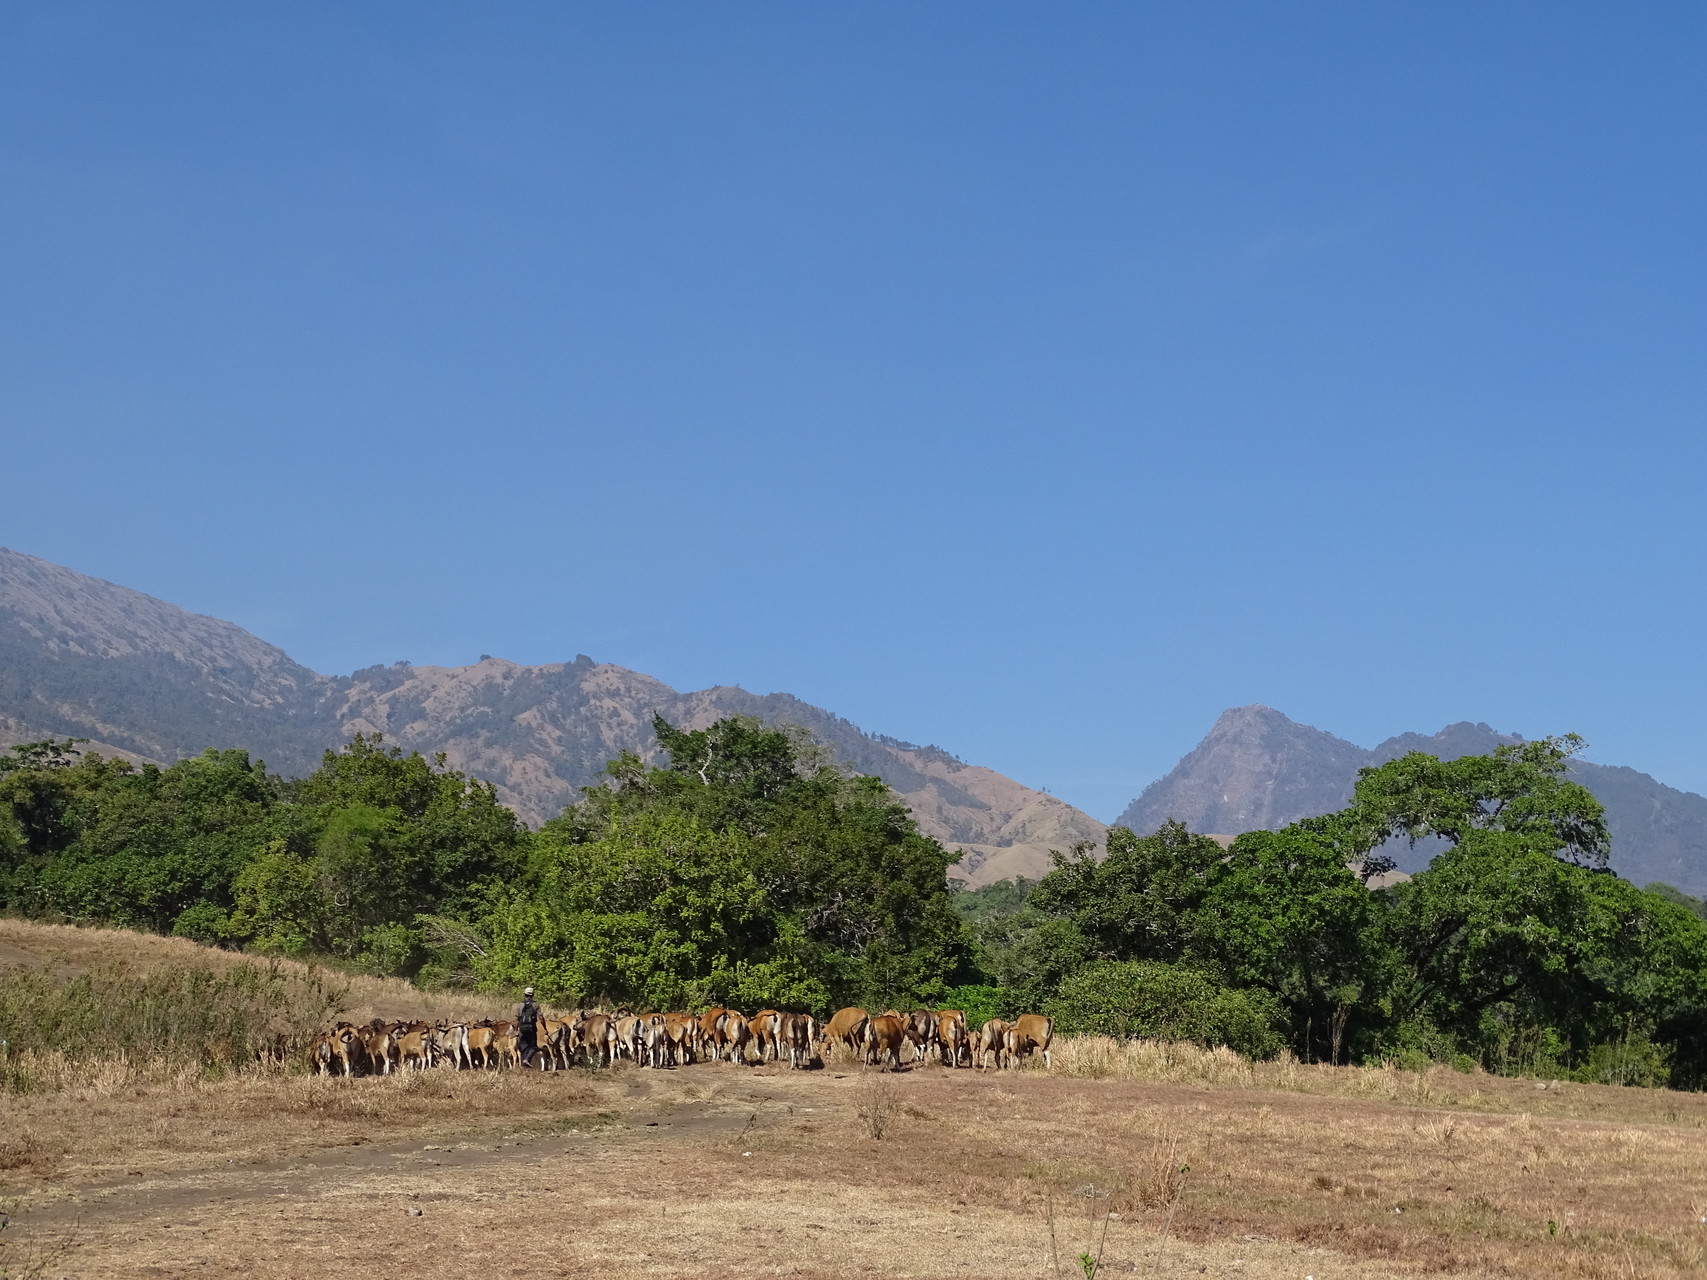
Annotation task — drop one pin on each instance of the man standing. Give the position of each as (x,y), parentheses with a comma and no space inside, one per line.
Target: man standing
(527,1027)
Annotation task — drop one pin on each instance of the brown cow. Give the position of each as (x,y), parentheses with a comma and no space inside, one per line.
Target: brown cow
(952,1038)
(708,1024)
(320,1054)
(482,1043)
(992,1041)
(796,1033)
(597,1033)
(451,1041)
(629,1034)
(349,1050)
(1032,1032)
(380,1045)
(655,1038)
(682,1031)
(766,1026)
(922,1031)
(553,1041)
(507,1043)
(884,1036)
(845,1027)
(737,1033)
(414,1045)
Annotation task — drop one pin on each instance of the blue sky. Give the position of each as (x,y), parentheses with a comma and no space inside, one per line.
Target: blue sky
(1036,380)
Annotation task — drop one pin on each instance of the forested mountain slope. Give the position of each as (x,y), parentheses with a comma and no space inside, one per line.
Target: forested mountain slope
(1256,769)
(87,658)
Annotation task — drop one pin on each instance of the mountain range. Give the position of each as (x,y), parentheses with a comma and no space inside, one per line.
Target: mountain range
(1257,769)
(142,678)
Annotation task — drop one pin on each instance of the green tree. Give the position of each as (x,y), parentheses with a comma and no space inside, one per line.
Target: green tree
(1277,911)
(447,836)
(279,904)
(1145,900)
(848,891)
(1520,789)
(1518,957)
(147,844)
(661,912)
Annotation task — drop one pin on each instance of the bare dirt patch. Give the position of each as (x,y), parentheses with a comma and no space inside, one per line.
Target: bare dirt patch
(727,1171)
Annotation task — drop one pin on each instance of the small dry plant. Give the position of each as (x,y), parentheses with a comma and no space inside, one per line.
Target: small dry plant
(1159,1180)
(876,1105)
(25,1150)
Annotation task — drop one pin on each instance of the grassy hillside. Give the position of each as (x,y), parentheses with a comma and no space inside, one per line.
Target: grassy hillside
(93,1007)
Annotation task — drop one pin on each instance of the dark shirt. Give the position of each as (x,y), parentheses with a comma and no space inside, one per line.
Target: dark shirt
(527,1014)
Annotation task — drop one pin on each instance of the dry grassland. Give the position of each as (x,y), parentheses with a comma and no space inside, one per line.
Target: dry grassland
(1208,1165)
(68,949)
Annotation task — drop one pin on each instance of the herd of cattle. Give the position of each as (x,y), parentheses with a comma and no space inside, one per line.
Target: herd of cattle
(676,1039)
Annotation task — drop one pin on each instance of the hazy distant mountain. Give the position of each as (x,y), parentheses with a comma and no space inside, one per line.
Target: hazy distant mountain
(85,658)
(1257,769)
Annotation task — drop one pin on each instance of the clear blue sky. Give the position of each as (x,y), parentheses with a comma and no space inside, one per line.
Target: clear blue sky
(1037,380)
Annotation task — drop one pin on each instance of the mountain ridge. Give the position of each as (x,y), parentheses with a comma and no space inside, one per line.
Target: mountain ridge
(1257,769)
(142,678)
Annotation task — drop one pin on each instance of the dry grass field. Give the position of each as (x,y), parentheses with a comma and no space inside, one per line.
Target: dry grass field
(1171,1161)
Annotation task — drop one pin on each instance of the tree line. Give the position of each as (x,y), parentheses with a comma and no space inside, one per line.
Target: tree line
(746,869)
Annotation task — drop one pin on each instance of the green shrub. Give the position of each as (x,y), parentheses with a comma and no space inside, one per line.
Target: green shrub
(1156,1000)
(202,922)
(980,1004)
(1631,1060)
(1153,1000)
(391,950)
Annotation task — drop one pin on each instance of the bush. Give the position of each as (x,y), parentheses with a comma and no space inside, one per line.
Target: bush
(980,1004)
(1634,1060)
(391,950)
(1157,1001)
(203,922)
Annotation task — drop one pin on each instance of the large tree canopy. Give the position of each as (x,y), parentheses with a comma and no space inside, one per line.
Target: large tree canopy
(745,868)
